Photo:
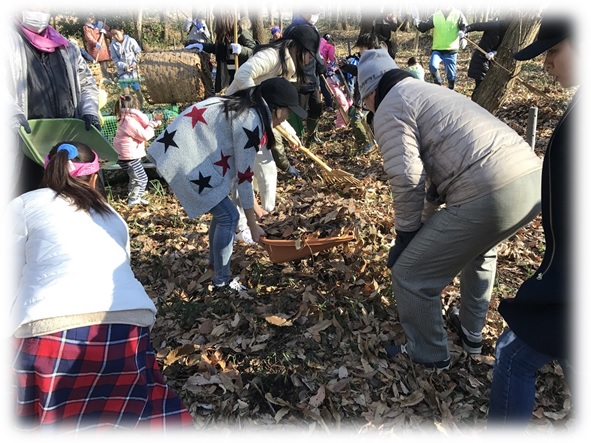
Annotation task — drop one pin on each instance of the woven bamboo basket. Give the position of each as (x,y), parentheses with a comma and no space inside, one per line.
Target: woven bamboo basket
(175,76)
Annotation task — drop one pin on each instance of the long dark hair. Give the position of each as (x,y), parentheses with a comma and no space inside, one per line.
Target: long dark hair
(284,44)
(57,177)
(245,99)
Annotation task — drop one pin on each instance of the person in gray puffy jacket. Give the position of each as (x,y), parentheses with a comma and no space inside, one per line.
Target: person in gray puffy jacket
(462,182)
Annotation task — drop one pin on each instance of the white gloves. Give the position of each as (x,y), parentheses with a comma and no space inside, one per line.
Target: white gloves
(198,46)
(103,31)
(491,55)
(236,48)
(98,46)
(461,34)
(463,43)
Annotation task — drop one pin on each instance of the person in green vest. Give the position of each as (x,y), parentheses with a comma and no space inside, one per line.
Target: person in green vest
(448,26)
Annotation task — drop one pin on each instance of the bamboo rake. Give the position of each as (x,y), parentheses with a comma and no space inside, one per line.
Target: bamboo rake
(335,101)
(332,176)
(236,36)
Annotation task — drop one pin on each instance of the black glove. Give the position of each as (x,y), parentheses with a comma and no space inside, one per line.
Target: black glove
(20,120)
(403,239)
(91,120)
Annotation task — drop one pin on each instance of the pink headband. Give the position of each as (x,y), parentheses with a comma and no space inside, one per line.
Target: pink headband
(77,169)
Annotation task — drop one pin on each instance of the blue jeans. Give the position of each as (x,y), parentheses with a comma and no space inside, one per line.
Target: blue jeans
(513,388)
(449,62)
(221,239)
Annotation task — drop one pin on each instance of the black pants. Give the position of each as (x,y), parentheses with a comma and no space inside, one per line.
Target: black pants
(312,102)
(30,176)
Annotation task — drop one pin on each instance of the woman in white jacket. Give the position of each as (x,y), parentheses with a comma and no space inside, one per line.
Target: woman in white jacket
(285,57)
(462,182)
(80,320)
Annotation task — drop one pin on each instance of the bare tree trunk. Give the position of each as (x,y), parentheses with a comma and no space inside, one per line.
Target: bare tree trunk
(501,77)
(139,26)
(258,28)
(345,20)
(164,18)
(367,17)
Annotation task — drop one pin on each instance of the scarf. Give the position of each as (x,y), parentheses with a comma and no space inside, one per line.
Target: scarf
(48,41)
(387,82)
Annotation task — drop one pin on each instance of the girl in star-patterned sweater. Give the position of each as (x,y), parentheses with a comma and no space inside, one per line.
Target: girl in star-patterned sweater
(213,144)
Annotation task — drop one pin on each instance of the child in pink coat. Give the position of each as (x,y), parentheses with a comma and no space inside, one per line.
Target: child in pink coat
(327,50)
(134,129)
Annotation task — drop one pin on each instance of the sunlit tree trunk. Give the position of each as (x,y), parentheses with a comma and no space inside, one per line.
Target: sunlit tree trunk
(501,76)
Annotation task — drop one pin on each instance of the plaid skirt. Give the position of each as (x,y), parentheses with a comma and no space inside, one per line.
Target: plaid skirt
(100,376)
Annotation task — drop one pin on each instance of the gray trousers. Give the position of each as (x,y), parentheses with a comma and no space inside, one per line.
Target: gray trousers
(458,239)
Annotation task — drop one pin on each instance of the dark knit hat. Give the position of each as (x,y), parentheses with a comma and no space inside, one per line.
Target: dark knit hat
(282,93)
(552,31)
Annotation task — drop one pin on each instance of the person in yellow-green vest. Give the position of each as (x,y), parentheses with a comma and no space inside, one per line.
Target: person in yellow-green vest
(448,26)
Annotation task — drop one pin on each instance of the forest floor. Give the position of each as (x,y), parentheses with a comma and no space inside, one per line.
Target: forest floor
(303,349)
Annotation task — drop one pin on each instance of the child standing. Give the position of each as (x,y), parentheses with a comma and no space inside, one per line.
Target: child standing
(343,102)
(124,52)
(415,68)
(134,129)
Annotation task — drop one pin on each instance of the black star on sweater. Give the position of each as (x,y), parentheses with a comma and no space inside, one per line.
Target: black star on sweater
(254,141)
(168,139)
(203,182)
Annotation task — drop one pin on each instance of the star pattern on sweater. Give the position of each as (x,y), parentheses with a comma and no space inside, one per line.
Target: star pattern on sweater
(202,182)
(196,115)
(254,141)
(223,163)
(245,176)
(168,139)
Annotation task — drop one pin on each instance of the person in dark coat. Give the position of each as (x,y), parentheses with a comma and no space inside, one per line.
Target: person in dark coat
(385,27)
(310,94)
(225,49)
(493,33)
(538,316)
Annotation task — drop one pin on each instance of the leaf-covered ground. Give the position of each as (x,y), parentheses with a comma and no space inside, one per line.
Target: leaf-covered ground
(303,349)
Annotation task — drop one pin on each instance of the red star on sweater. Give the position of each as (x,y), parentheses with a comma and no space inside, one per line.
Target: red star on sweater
(245,176)
(196,115)
(223,163)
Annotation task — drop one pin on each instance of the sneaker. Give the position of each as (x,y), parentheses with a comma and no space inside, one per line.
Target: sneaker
(393,350)
(470,346)
(245,236)
(138,201)
(234,286)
